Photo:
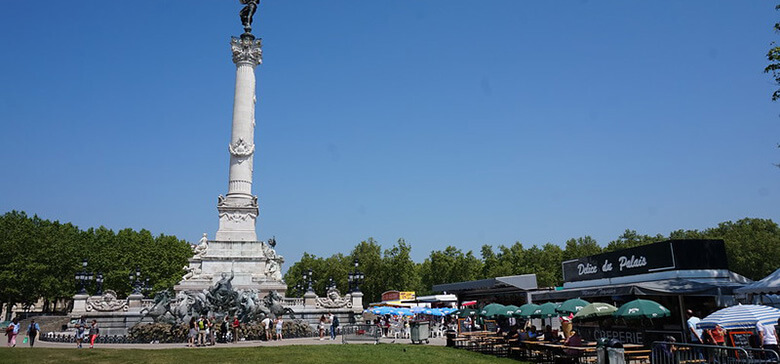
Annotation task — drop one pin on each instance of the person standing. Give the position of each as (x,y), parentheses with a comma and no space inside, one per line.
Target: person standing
(694,331)
(334,326)
(94,331)
(279,323)
(321,327)
(767,335)
(267,326)
(212,334)
(236,326)
(201,331)
(193,333)
(223,329)
(718,335)
(32,332)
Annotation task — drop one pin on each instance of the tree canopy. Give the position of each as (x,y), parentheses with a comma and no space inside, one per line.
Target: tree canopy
(752,246)
(41,257)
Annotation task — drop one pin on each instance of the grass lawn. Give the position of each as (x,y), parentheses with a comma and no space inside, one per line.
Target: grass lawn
(298,354)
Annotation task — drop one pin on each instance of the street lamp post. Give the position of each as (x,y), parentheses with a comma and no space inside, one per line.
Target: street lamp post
(135,280)
(99,280)
(355,278)
(310,283)
(83,276)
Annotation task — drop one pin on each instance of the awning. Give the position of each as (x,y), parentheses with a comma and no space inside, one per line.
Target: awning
(768,285)
(668,287)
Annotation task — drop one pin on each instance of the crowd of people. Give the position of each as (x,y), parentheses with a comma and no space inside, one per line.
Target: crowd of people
(203,331)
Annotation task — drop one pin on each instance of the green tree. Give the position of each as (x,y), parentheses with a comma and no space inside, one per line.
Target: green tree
(401,273)
(369,255)
(630,239)
(752,245)
(581,247)
(773,55)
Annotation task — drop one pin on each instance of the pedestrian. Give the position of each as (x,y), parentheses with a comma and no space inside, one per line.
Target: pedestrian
(80,332)
(11,331)
(223,328)
(321,327)
(236,325)
(94,331)
(32,332)
(334,327)
(212,334)
(267,326)
(768,338)
(193,333)
(202,331)
(718,335)
(279,323)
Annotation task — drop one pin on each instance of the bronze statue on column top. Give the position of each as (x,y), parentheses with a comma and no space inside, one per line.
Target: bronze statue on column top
(247,12)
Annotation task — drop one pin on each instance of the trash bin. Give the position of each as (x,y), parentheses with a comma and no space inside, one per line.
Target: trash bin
(420,331)
(451,335)
(609,351)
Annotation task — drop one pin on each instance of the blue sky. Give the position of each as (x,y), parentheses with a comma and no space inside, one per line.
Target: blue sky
(443,122)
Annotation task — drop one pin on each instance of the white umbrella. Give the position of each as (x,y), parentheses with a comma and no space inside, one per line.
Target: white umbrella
(741,317)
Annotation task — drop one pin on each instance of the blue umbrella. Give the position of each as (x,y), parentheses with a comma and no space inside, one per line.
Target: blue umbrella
(448,311)
(741,317)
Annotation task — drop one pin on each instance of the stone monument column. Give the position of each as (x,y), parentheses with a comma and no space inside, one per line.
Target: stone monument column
(238,210)
(235,250)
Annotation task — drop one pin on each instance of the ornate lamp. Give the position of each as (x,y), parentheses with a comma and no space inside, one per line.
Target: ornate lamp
(355,278)
(99,280)
(83,276)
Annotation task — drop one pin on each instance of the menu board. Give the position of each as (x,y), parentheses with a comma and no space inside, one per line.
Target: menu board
(740,339)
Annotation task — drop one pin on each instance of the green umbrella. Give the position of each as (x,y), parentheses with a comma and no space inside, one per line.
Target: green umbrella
(526,310)
(641,309)
(573,305)
(491,310)
(465,312)
(546,310)
(509,310)
(595,310)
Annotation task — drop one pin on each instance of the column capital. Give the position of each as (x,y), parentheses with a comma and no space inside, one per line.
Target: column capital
(246,49)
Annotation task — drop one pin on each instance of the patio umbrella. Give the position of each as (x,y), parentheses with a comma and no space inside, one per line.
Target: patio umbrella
(595,310)
(465,312)
(417,309)
(741,317)
(641,309)
(448,310)
(546,310)
(491,310)
(509,310)
(526,310)
(573,305)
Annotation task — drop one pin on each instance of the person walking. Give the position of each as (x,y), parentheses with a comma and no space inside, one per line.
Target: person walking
(94,331)
(32,332)
(279,323)
(11,331)
(80,333)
